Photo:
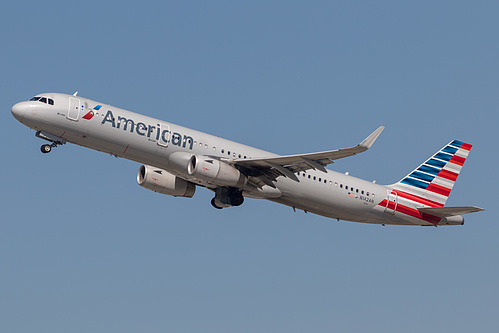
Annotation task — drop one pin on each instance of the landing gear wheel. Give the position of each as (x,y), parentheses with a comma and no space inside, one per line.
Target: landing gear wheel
(46,149)
(214,204)
(236,199)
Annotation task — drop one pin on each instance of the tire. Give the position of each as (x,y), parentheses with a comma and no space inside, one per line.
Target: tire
(236,199)
(214,205)
(46,149)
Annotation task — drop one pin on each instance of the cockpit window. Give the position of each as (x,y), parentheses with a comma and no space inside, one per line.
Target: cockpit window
(45,100)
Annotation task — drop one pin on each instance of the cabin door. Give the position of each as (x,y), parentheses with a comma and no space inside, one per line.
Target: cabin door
(74,109)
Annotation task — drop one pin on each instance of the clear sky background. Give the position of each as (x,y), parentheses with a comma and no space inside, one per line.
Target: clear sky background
(83,248)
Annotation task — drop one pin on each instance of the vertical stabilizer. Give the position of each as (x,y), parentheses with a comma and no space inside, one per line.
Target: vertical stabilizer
(431,183)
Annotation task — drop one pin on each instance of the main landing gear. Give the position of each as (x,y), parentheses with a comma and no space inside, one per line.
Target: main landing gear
(227,197)
(56,141)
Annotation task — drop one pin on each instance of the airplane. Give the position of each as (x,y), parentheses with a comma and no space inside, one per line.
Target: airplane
(176,160)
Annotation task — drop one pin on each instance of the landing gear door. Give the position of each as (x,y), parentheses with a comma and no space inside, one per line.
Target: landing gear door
(163,135)
(74,109)
(391,202)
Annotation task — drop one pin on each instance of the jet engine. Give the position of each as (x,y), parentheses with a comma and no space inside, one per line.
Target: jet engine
(163,182)
(208,169)
(215,171)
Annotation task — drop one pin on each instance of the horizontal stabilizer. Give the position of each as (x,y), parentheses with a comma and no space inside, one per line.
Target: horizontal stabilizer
(449,211)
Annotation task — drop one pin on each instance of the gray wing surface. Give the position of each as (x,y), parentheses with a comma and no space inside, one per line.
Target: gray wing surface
(268,169)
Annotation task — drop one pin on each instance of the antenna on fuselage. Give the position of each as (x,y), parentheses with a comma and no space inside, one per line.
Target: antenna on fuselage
(76,93)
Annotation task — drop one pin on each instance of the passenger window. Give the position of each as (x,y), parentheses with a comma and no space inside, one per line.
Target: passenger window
(341,185)
(320,180)
(223,151)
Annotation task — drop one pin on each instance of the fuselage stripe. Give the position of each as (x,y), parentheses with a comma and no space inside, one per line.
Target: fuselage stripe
(457,160)
(429,169)
(436,163)
(443,156)
(448,175)
(418,199)
(449,150)
(422,176)
(456,143)
(412,212)
(466,146)
(438,189)
(414,182)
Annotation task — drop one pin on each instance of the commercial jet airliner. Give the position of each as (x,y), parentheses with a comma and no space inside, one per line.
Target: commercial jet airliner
(177,159)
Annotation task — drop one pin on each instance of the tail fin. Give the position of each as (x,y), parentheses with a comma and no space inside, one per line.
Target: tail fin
(432,182)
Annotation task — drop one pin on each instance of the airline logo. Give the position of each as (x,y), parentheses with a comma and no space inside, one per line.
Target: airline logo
(159,133)
(439,173)
(430,184)
(91,113)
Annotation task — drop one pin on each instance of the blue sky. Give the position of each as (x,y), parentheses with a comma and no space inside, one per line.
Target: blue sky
(83,248)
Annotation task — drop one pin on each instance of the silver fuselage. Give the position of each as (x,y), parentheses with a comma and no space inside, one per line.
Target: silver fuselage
(151,141)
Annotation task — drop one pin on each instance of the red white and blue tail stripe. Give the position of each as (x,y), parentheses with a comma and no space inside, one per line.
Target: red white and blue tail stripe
(431,183)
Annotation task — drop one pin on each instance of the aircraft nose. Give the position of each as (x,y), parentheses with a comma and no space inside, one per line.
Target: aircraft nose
(18,111)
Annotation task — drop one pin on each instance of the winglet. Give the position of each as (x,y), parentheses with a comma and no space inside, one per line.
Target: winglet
(368,142)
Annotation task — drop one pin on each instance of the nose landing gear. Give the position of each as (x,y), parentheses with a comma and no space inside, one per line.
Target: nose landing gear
(56,141)
(46,149)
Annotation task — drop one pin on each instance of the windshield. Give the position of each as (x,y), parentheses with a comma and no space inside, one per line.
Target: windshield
(42,99)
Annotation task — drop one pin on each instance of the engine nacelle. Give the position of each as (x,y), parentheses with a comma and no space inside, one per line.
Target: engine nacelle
(179,161)
(163,182)
(207,169)
(214,171)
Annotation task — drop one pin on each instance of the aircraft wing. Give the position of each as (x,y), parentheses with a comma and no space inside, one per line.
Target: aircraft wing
(268,169)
